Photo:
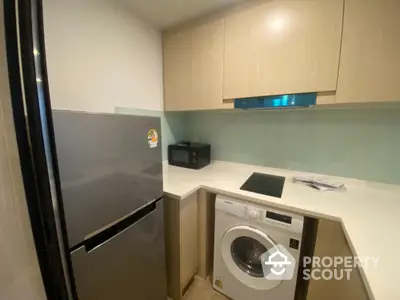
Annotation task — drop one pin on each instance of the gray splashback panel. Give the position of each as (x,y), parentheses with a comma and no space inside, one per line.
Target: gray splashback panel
(107,168)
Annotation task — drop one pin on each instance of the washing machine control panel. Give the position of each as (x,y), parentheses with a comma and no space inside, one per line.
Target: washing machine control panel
(253,213)
(257,213)
(278,217)
(274,218)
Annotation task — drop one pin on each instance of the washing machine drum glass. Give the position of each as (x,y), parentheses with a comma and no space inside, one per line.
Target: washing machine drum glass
(241,249)
(246,253)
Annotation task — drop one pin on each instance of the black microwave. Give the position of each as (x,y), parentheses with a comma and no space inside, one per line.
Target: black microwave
(189,155)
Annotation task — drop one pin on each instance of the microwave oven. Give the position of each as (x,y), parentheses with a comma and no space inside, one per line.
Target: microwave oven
(189,155)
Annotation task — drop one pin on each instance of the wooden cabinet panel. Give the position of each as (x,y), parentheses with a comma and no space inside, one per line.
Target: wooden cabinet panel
(181,243)
(370,58)
(176,56)
(331,242)
(189,239)
(207,56)
(206,223)
(172,249)
(193,67)
(281,47)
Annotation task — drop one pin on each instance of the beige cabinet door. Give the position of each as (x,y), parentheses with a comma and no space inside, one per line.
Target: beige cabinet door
(189,239)
(176,57)
(281,47)
(331,242)
(207,57)
(370,58)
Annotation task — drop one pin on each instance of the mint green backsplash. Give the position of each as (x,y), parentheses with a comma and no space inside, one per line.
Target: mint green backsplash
(357,143)
(171,125)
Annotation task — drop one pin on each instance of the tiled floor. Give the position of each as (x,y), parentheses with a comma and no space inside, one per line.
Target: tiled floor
(202,290)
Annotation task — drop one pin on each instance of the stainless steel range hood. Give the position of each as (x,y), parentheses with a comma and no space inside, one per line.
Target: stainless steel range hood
(277,101)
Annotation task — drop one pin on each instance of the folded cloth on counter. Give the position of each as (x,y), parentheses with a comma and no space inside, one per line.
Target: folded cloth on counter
(319,184)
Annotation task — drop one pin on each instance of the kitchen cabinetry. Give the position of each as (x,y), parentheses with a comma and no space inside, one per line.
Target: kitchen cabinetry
(267,48)
(206,223)
(331,242)
(176,57)
(370,62)
(181,235)
(207,55)
(189,239)
(281,47)
(193,67)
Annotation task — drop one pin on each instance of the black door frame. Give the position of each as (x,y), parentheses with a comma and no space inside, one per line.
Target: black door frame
(30,142)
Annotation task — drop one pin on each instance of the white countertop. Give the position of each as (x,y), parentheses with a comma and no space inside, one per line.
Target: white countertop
(368,211)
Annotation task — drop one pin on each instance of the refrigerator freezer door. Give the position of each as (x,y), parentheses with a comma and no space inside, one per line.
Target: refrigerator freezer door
(129,266)
(109,166)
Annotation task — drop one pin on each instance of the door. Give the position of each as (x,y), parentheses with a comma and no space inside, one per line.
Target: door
(125,263)
(189,246)
(30,100)
(241,249)
(282,47)
(176,58)
(108,168)
(207,65)
(369,60)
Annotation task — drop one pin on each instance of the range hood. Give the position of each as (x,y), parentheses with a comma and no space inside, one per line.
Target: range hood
(277,101)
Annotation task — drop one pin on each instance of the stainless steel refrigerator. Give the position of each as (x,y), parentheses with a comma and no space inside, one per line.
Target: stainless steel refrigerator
(93,182)
(111,181)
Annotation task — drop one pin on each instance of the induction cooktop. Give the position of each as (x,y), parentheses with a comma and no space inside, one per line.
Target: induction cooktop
(265,184)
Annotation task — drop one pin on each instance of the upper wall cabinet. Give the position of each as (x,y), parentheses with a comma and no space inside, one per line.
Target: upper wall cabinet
(282,47)
(176,57)
(370,59)
(207,65)
(193,67)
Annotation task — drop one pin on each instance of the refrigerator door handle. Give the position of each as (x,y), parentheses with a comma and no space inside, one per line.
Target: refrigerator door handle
(106,235)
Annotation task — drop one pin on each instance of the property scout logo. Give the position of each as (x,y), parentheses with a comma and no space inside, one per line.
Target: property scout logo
(279,264)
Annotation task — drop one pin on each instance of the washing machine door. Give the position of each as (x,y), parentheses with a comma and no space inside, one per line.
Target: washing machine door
(241,248)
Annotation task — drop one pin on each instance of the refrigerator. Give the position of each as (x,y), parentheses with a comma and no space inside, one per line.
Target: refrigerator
(110,170)
(93,181)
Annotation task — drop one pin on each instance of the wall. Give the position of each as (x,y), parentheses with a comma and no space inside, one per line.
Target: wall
(20,276)
(100,56)
(103,59)
(361,143)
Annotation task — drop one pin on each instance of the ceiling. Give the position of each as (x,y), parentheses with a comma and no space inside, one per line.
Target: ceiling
(166,13)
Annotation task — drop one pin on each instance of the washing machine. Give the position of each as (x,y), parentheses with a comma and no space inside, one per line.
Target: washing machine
(245,233)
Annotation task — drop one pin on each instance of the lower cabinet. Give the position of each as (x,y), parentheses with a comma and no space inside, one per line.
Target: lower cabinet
(189,237)
(331,242)
(188,240)
(181,238)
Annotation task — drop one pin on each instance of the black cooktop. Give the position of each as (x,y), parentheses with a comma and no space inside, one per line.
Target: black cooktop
(265,184)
